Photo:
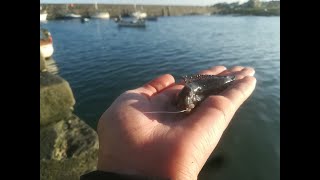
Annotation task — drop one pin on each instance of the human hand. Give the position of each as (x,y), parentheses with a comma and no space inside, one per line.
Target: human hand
(174,146)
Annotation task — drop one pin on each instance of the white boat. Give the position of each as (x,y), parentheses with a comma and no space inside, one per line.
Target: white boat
(72,16)
(46,44)
(43,16)
(138,14)
(100,15)
(46,50)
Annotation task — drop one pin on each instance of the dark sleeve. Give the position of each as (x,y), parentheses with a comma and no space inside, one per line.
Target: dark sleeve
(102,175)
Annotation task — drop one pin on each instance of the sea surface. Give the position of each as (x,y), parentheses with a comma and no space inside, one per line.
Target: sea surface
(100,61)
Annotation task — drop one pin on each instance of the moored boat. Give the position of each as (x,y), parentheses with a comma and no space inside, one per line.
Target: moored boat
(72,16)
(43,17)
(46,43)
(133,23)
(100,15)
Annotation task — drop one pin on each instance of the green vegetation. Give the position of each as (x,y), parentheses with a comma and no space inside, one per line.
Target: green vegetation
(252,7)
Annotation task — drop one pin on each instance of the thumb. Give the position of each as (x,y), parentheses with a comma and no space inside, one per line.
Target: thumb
(156,85)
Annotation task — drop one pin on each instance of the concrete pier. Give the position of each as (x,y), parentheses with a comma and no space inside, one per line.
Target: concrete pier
(56,11)
(68,146)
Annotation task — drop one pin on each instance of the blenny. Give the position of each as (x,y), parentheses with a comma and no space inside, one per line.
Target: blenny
(198,87)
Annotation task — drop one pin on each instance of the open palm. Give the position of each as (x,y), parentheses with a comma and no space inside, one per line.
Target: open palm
(175,146)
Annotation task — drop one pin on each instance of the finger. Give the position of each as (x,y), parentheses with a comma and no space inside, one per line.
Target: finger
(249,71)
(236,68)
(213,70)
(240,90)
(157,85)
(172,91)
(239,72)
(231,70)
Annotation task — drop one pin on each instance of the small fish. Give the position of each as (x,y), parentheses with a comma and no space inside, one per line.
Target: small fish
(198,87)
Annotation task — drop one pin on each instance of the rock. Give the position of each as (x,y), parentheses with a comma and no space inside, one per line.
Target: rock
(70,169)
(56,98)
(43,66)
(68,149)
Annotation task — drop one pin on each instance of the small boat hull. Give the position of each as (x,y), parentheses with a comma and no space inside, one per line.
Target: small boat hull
(46,50)
(84,20)
(101,16)
(46,44)
(151,18)
(136,23)
(43,17)
(72,16)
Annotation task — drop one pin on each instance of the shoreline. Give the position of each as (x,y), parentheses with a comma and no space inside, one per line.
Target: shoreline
(58,11)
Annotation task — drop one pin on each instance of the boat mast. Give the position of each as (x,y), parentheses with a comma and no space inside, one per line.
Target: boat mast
(96,5)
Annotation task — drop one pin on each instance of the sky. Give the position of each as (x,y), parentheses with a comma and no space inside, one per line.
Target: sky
(160,2)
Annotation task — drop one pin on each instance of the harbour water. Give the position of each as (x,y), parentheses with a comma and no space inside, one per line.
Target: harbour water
(100,61)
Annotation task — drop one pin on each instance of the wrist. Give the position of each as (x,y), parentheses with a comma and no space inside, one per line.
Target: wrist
(172,174)
(103,175)
(166,168)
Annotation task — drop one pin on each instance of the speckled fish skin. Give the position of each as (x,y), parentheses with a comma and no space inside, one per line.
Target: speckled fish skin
(198,87)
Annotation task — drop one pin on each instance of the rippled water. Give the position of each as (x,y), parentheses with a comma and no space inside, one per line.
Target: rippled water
(100,61)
